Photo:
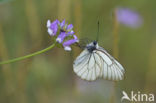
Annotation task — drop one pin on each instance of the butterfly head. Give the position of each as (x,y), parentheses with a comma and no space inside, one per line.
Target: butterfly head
(92,46)
(94,43)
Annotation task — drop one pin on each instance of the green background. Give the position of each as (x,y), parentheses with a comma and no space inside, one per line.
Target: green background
(49,77)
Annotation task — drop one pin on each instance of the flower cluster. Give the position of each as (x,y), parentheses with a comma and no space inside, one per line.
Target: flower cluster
(63,32)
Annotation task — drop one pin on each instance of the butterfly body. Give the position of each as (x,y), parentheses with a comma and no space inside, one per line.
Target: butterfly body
(92,46)
(94,62)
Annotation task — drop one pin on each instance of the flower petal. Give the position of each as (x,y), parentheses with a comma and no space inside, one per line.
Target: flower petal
(70,42)
(70,26)
(67,48)
(54,27)
(62,24)
(48,23)
(70,32)
(50,31)
(61,37)
(75,37)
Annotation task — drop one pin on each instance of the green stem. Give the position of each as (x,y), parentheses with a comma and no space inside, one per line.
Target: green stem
(29,55)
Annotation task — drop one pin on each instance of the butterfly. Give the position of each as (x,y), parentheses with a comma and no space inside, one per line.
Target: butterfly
(94,62)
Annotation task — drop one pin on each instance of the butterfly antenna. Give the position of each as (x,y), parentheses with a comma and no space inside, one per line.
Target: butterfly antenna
(97,32)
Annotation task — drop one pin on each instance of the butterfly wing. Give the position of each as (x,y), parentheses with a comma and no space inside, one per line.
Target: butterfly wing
(85,66)
(111,68)
(98,64)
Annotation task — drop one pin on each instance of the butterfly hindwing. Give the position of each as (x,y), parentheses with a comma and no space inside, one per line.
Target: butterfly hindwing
(112,69)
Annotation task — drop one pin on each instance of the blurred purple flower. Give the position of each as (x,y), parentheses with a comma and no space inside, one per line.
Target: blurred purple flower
(67,44)
(52,27)
(128,17)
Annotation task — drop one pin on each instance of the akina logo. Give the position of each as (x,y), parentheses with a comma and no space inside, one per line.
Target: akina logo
(138,97)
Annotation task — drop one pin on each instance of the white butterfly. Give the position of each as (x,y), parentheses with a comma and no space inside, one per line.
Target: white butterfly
(94,62)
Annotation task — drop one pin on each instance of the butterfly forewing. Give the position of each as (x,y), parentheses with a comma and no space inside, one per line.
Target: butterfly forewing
(98,64)
(84,66)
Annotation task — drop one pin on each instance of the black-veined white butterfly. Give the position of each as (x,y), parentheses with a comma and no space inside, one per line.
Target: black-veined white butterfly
(94,62)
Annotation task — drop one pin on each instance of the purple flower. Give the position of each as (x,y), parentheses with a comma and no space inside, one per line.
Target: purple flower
(70,32)
(62,31)
(66,27)
(128,17)
(52,27)
(62,24)
(65,31)
(69,27)
(61,37)
(67,44)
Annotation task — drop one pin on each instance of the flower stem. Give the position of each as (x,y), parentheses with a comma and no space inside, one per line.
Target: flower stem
(29,55)
(115,50)
(115,36)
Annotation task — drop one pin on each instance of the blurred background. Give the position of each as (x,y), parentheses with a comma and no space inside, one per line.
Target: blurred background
(49,77)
